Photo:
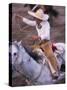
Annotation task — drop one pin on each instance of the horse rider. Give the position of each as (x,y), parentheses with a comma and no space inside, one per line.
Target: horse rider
(43,29)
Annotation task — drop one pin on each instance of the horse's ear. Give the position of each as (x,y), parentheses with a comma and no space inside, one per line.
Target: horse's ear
(19,43)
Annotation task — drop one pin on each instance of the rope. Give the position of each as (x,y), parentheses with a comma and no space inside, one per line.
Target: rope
(34,7)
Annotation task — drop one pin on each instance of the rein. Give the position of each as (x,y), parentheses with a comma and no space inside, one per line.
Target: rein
(18,71)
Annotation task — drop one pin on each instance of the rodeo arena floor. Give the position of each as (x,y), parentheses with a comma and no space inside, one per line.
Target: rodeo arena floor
(21,31)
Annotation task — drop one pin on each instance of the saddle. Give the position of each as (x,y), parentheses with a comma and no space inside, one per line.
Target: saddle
(38,46)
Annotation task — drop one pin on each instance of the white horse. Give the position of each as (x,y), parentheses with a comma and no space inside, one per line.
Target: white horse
(38,73)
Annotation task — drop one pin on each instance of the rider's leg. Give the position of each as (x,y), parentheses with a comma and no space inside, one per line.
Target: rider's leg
(47,48)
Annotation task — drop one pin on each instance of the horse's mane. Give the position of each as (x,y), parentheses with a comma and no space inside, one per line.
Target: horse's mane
(32,54)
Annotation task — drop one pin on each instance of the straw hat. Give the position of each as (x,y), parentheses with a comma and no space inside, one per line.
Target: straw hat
(39,14)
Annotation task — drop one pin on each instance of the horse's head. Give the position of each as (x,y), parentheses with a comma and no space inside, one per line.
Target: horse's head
(14,51)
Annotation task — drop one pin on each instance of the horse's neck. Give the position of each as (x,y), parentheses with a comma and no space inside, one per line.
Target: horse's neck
(34,67)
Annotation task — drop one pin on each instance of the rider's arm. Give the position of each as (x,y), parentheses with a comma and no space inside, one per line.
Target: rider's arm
(45,34)
(25,20)
(29,22)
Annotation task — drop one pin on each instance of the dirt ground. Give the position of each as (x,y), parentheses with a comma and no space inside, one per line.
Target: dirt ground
(19,32)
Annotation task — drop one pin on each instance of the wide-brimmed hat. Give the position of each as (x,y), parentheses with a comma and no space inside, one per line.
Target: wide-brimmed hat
(39,14)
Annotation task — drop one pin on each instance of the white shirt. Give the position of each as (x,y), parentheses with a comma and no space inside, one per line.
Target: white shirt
(44,31)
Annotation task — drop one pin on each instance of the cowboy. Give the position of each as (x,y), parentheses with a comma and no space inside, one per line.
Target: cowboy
(43,29)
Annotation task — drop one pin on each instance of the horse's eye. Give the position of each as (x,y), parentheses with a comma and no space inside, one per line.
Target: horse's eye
(15,54)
